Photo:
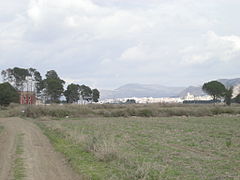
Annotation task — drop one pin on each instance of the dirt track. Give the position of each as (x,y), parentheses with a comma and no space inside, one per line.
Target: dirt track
(40,160)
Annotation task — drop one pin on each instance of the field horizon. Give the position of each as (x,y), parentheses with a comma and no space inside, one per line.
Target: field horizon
(131,141)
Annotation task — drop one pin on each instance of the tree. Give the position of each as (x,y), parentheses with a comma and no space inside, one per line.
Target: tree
(17,77)
(37,78)
(214,89)
(130,101)
(95,95)
(52,75)
(237,99)
(86,92)
(53,86)
(228,96)
(72,93)
(8,94)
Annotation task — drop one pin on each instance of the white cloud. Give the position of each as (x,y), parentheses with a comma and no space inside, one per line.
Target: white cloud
(134,39)
(137,53)
(212,47)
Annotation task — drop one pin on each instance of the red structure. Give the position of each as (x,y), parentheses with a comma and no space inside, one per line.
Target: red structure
(27,98)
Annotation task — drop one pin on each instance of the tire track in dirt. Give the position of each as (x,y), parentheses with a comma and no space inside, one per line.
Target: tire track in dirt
(40,160)
(7,150)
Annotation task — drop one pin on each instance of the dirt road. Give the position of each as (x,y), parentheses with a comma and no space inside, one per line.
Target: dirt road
(41,162)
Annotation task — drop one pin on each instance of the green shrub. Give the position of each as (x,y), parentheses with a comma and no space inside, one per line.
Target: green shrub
(117,110)
(145,113)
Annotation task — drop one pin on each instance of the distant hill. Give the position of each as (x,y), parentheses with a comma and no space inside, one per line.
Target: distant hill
(156,91)
(141,90)
(194,90)
(230,82)
(197,90)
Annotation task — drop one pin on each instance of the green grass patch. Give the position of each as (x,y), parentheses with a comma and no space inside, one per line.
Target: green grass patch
(80,159)
(149,148)
(1,129)
(18,169)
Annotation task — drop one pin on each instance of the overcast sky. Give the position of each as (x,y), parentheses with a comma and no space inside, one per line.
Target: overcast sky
(108,43)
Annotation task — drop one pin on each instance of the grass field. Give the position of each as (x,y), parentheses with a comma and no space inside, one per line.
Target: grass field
(18,167)
(149,148)
(1,128)
(118,110)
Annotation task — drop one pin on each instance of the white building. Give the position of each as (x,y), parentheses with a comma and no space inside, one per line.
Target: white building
(191,97)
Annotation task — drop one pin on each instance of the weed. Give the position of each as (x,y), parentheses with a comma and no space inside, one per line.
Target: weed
(119,110)
(18,169)
(1,128)
(83,162)
(145,113)
(150,148)
(228,142)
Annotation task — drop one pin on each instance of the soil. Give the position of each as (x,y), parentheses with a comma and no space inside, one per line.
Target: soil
(41,161)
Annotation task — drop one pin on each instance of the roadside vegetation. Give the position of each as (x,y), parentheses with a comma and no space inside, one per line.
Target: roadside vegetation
(18,167)
(149,148)
(117,110)
(80,159)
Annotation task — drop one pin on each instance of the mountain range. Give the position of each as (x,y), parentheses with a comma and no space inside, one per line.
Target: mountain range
(156,91)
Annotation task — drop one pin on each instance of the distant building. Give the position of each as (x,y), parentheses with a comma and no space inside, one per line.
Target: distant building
(201,101)
(191,99)
(85,100)
(27,97)
(143,100)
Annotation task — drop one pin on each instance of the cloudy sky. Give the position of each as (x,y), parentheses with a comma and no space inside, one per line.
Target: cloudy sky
(108,43)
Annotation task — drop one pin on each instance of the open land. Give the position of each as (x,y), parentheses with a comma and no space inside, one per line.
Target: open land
(127,147)
(25,153)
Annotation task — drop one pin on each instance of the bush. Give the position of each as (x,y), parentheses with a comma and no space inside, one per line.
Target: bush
(141,110)
(145,113)
(8,94)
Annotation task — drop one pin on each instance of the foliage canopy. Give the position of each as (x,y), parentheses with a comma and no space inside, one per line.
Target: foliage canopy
(96,95)
(72,93)
(214,89)
(53,87)
(228,96)
(8,94)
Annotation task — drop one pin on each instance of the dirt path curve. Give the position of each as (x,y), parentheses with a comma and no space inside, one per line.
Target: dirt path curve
(40,159)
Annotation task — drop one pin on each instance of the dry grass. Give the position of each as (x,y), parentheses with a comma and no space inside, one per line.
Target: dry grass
(157,148)
(116,110)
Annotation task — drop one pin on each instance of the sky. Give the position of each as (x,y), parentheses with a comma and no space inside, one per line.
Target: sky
(109,43)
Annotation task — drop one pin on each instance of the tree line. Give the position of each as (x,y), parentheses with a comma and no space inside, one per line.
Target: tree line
(218,91)
(50,89)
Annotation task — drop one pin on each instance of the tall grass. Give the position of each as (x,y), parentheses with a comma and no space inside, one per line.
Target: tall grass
(149,148)
(115,110)
(78,156)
